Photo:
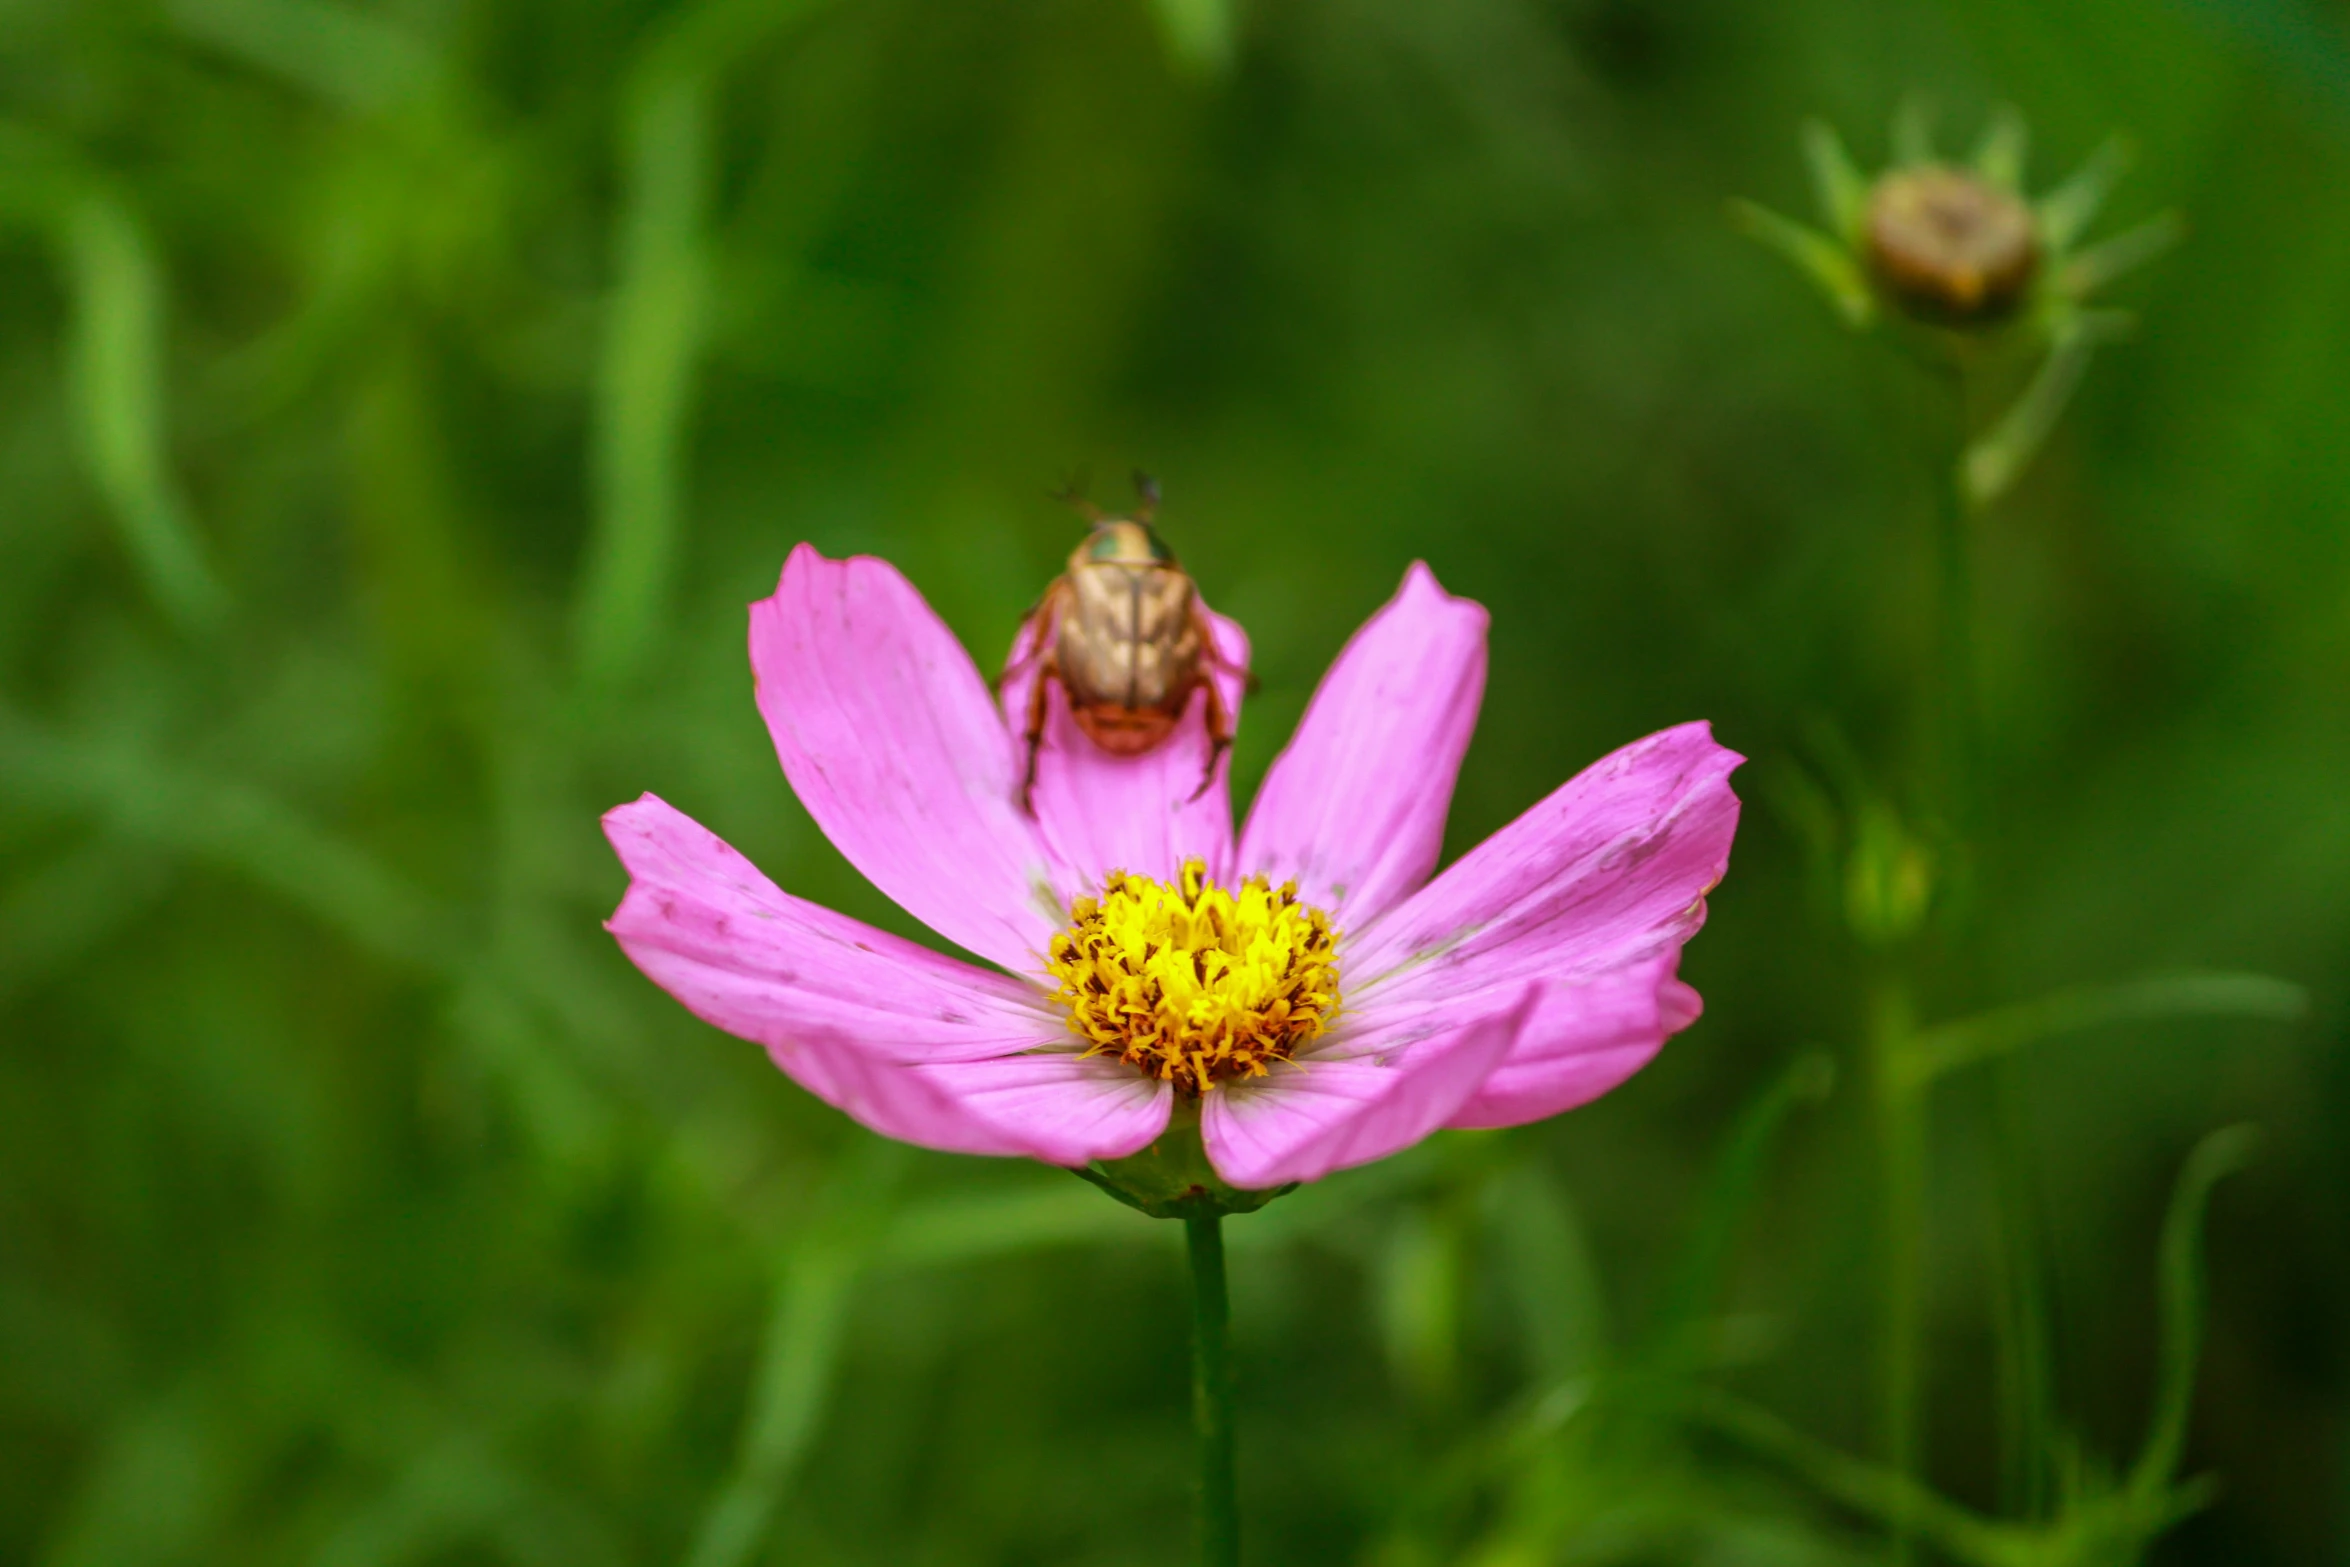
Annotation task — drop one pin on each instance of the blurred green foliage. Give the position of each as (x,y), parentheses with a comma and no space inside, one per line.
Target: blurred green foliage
(400,401)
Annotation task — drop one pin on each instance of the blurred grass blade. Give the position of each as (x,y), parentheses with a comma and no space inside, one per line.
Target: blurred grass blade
(787,1402)
(1867,1488)
(968,1229)
(353,58)
(2220,1154)
(61,909)
(1946,1048)
(1837,184)
(657,324)
(2099,265)
(232,825)
(117,369)
(1737,1177)
(1999,156)
(703,40)
(653,335)
(458,1493)
(1199,34)
(1827,263)
(161,1486)
(801,1350)
(2066,212)
(1418,1280)
(1549,1272)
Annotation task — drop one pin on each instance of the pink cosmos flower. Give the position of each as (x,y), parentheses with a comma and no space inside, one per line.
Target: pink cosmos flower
(1321,998)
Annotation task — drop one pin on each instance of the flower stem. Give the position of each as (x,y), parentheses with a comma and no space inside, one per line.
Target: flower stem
(1211,1392)
(1901,1127)
(2021,1309)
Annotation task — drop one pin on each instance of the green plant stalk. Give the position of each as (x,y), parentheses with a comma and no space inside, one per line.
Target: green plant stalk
(1211,1392)
(2021,1314)
(1901,1131)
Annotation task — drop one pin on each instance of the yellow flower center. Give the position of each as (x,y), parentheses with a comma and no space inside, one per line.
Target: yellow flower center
(1193,984)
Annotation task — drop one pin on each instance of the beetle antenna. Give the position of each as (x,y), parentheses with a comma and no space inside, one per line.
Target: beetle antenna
(1147,489)
(1072,495)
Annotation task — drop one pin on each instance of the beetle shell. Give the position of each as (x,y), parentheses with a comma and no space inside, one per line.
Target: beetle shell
(1125,635)
(1127,648)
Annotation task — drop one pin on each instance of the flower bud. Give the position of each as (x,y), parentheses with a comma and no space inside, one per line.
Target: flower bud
(1889,880)
(1951,247)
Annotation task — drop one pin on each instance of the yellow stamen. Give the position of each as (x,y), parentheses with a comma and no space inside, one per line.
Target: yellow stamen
(1193,984)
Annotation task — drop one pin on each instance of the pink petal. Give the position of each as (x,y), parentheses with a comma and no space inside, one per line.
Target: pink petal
(746,956)
(889,1097)
(1354,808)
(914,1045)
(1098,813)
(1052,1105)
(1328,1113)
(891,741)
(1583,1040)
(1611,870)
(1063,1108)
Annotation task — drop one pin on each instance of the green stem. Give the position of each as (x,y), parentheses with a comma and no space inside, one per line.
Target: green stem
(2021,1284)
(1955,699)
(1211,1392)
(1901,1130)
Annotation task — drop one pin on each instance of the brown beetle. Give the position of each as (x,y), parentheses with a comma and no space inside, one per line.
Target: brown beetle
(1124,632)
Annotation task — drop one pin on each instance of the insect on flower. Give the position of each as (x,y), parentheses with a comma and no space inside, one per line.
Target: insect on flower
(1298,996)
(1125,636)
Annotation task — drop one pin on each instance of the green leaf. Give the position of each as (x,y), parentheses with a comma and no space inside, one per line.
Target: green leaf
(1913,131)
(1829,265)
(1840,188)
(2127,251)
(1999,156)
(1995,461)
(2066,212)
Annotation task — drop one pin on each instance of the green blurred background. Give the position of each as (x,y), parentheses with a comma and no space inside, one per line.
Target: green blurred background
(400,401)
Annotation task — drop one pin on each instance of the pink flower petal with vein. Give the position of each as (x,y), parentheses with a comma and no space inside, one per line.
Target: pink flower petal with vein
(891,741)
(1354,808)
(1322,1113)
(1066,1108)
(916,1046)
(1146,814)
(1582,1040)
(891,1097)
(1611,870)
(748,957)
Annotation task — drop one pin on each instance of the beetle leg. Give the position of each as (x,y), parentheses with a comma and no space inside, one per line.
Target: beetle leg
(1016,666)
(1041,615)
(1034,735)
(1219,737)
(1214,655)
